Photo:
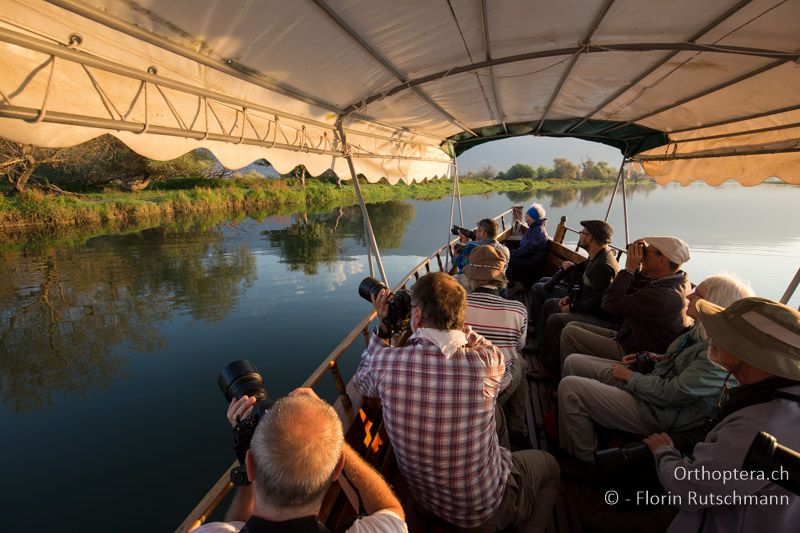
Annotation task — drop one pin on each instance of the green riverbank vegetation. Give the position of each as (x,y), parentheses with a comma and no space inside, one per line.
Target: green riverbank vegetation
(103,184)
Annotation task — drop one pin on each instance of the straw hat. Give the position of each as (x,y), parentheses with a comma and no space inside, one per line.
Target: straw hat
(760,332)
(486,263)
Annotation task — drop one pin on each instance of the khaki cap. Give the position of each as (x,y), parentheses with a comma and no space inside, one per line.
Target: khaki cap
(486,263)
(760,332)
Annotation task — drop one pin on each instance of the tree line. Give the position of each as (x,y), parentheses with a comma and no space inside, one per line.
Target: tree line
(562,169)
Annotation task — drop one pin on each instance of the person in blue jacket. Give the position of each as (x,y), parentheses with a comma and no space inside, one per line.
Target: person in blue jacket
(529,258)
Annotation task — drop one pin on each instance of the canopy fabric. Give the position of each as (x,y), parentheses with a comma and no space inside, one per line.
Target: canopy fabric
(692,90)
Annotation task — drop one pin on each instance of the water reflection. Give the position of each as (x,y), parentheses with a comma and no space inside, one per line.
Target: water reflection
(315,240)
(583,196)
(67,314)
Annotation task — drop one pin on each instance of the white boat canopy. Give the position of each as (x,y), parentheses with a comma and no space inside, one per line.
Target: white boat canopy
(692,90)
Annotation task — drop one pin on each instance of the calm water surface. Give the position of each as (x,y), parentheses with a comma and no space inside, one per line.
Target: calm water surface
(109,350)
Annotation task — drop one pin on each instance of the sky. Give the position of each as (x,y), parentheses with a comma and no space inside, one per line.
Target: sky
(535,151)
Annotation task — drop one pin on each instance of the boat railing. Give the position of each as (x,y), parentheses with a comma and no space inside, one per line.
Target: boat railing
(330,365)
(563,229)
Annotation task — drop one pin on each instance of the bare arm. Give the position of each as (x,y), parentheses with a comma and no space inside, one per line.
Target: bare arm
(375,492)
(241,507)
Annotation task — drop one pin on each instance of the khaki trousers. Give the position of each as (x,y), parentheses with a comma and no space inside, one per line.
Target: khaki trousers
(580,337)
(589,394)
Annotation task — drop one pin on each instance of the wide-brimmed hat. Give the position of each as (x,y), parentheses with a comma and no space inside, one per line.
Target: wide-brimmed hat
(760,332)
(599,229)
(675,249)
(486,263)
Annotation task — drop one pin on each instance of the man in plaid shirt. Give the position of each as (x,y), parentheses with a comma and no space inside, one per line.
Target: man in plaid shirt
(439,394)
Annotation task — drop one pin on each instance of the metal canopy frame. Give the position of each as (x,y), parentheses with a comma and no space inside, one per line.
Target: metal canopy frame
(587,49)
(573,60)
(704,92)
(371,50)
(226,66)
(487,47)
(693,39)
(246,111)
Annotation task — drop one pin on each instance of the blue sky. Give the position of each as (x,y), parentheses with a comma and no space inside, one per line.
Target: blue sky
(535,151)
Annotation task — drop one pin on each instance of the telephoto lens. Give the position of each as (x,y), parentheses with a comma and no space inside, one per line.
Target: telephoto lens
(241,378)
(370,287)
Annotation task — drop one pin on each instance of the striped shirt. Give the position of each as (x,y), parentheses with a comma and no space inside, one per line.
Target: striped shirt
(504,322)
(439,415)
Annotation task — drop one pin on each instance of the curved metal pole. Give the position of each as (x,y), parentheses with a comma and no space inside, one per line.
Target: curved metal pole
(616,188)
(367,224)
(625,206)
(791,288)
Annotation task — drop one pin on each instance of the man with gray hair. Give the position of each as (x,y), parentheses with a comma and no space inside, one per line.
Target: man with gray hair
(296,452)
(758,342)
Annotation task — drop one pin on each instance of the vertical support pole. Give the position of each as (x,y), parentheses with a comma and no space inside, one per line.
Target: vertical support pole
(452,207)
(341,388)
(458,188)
(367,224)
(625,206)
(561,230)
(616,187)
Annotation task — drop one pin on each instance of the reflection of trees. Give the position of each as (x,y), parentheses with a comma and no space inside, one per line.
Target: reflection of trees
(520,197)
(314,240)
(593,195)
(307,243)
(66,316)
(389,222)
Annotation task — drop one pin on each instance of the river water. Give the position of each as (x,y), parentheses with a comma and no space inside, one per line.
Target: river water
(110,348)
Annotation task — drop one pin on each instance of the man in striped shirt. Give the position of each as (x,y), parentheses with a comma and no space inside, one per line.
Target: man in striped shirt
(438,394)
(505,323)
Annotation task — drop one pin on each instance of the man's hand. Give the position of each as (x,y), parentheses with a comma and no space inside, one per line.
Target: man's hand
(629,359)
(635,256)
(463,238)
(566,264)
(620,372)
(381,303)
(304,391)
(656,440)
(239,409)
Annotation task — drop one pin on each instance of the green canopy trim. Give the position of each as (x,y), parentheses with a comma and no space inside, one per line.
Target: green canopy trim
(630,139)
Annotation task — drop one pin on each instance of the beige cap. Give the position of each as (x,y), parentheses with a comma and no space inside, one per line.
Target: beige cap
(760,332)
(486,263)
(675,249)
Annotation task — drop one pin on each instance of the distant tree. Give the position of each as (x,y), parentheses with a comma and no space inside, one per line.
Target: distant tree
(544,173)
(486,172)
(520,171)
(564,169)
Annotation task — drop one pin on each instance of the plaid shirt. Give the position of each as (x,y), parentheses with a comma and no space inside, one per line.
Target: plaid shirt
(439,415)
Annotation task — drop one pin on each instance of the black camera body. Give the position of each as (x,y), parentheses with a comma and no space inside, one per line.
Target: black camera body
(238,379)
(399,317)
(458,230)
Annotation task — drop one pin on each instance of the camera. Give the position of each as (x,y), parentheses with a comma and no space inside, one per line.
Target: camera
(766,455)
(399,317)
(458,230)
(632,454)
(238,379)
